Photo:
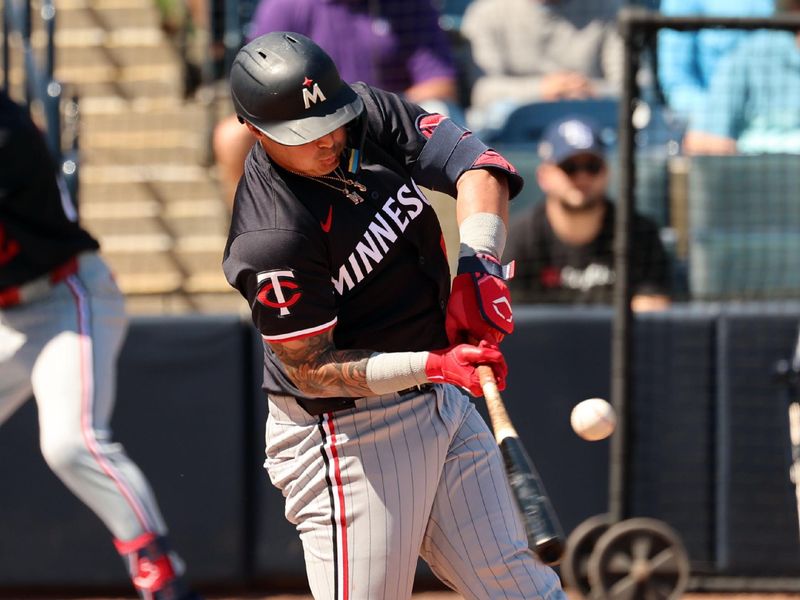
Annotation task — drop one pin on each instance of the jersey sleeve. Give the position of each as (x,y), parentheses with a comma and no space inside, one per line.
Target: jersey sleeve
(433,149)
(24,160)
(286,280)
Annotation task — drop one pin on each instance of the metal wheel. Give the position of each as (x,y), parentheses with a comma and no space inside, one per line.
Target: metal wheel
(639,559)
(580,543)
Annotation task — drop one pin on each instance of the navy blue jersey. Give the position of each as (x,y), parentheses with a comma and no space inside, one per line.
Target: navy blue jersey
(308,259)
(38,228)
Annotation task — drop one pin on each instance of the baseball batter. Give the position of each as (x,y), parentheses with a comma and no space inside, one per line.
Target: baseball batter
(62,322)
(377,449)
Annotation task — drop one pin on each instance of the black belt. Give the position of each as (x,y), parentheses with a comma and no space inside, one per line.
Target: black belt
(319,406)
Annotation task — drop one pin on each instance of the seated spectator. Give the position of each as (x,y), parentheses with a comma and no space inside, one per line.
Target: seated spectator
(396,45)
(540,51)
(563,246)
(753,103)
(688,59)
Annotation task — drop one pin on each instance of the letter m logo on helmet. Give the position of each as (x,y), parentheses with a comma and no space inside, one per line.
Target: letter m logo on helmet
(313,95)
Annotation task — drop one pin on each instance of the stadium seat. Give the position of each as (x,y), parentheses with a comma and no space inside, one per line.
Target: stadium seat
(744,226)
(526,160)
(527,122)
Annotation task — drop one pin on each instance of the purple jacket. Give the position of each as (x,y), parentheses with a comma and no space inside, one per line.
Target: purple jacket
(391,44)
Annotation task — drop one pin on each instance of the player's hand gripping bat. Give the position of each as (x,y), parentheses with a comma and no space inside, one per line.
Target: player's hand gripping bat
(545,535)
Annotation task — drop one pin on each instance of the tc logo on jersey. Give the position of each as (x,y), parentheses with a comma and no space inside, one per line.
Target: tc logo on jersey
(274,291)
(311,93)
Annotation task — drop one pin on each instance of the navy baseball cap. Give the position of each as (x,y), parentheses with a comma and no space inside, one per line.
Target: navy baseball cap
(570,136)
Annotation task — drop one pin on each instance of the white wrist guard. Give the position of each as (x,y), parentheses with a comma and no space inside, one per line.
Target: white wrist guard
(482,233)
(389,372)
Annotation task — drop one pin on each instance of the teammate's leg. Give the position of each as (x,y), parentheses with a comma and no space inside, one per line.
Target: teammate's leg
(475,540)
(74,384)
(15,369)
(359,485)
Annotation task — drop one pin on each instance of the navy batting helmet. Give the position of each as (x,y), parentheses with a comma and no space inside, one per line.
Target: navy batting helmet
(287,87)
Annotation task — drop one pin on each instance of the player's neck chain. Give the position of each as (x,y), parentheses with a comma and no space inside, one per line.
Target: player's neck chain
(350,187)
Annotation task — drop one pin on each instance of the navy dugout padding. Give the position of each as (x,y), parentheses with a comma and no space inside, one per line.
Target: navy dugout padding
(756,512)
(710,452)
(672,450)
(278,553)
(557,357)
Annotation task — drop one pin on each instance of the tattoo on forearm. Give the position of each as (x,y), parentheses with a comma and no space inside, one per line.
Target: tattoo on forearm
(317,368)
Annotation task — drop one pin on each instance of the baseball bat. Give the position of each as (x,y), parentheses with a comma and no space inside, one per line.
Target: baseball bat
(545,534)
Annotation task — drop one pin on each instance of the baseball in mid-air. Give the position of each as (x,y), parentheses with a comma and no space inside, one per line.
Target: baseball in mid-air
(593,419)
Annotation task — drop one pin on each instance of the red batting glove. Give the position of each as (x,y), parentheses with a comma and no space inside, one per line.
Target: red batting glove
(480,303)
(457,365)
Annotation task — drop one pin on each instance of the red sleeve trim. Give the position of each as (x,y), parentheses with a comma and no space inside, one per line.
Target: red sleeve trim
(299,335)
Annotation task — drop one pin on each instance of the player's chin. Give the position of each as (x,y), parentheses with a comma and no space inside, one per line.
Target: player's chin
(326,164)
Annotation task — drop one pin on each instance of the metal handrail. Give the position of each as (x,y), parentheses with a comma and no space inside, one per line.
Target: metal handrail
(40,84)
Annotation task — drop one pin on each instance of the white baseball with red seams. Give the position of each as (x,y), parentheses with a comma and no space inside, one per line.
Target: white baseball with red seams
(593,419)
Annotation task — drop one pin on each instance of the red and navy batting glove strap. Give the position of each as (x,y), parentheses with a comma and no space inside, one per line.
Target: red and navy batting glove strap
(480,303)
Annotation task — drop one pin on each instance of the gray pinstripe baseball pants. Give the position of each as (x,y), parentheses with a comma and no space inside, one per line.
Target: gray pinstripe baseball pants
(64,348)
(400,476)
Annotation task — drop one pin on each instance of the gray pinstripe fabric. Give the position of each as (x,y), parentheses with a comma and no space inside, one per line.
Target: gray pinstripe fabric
(64,348)
(418,474)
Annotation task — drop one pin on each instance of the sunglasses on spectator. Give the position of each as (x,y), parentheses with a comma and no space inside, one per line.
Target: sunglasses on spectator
(593,166)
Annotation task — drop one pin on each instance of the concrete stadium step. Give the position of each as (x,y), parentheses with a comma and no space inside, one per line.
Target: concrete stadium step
(93,14)
(204,268)
(209,227)
(109,16)
(138,234)
(120,208)
(103,94)
(86,65)
(196,232)
(145,272)
(107,102)
(113,149)
(181,302)
(197,196)
(142,173)
(144,117)
(146,192)
(123,132)
(111,84)
(92,35)
(106,4)
(137,57)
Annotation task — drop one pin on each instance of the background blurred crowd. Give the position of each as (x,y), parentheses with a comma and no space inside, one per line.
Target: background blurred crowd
(507,69)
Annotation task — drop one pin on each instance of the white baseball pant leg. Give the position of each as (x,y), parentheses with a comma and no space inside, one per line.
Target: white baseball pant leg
(63,348)
(372,488)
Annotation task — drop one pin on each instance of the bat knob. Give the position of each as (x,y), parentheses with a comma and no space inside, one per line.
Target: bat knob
(550,550)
